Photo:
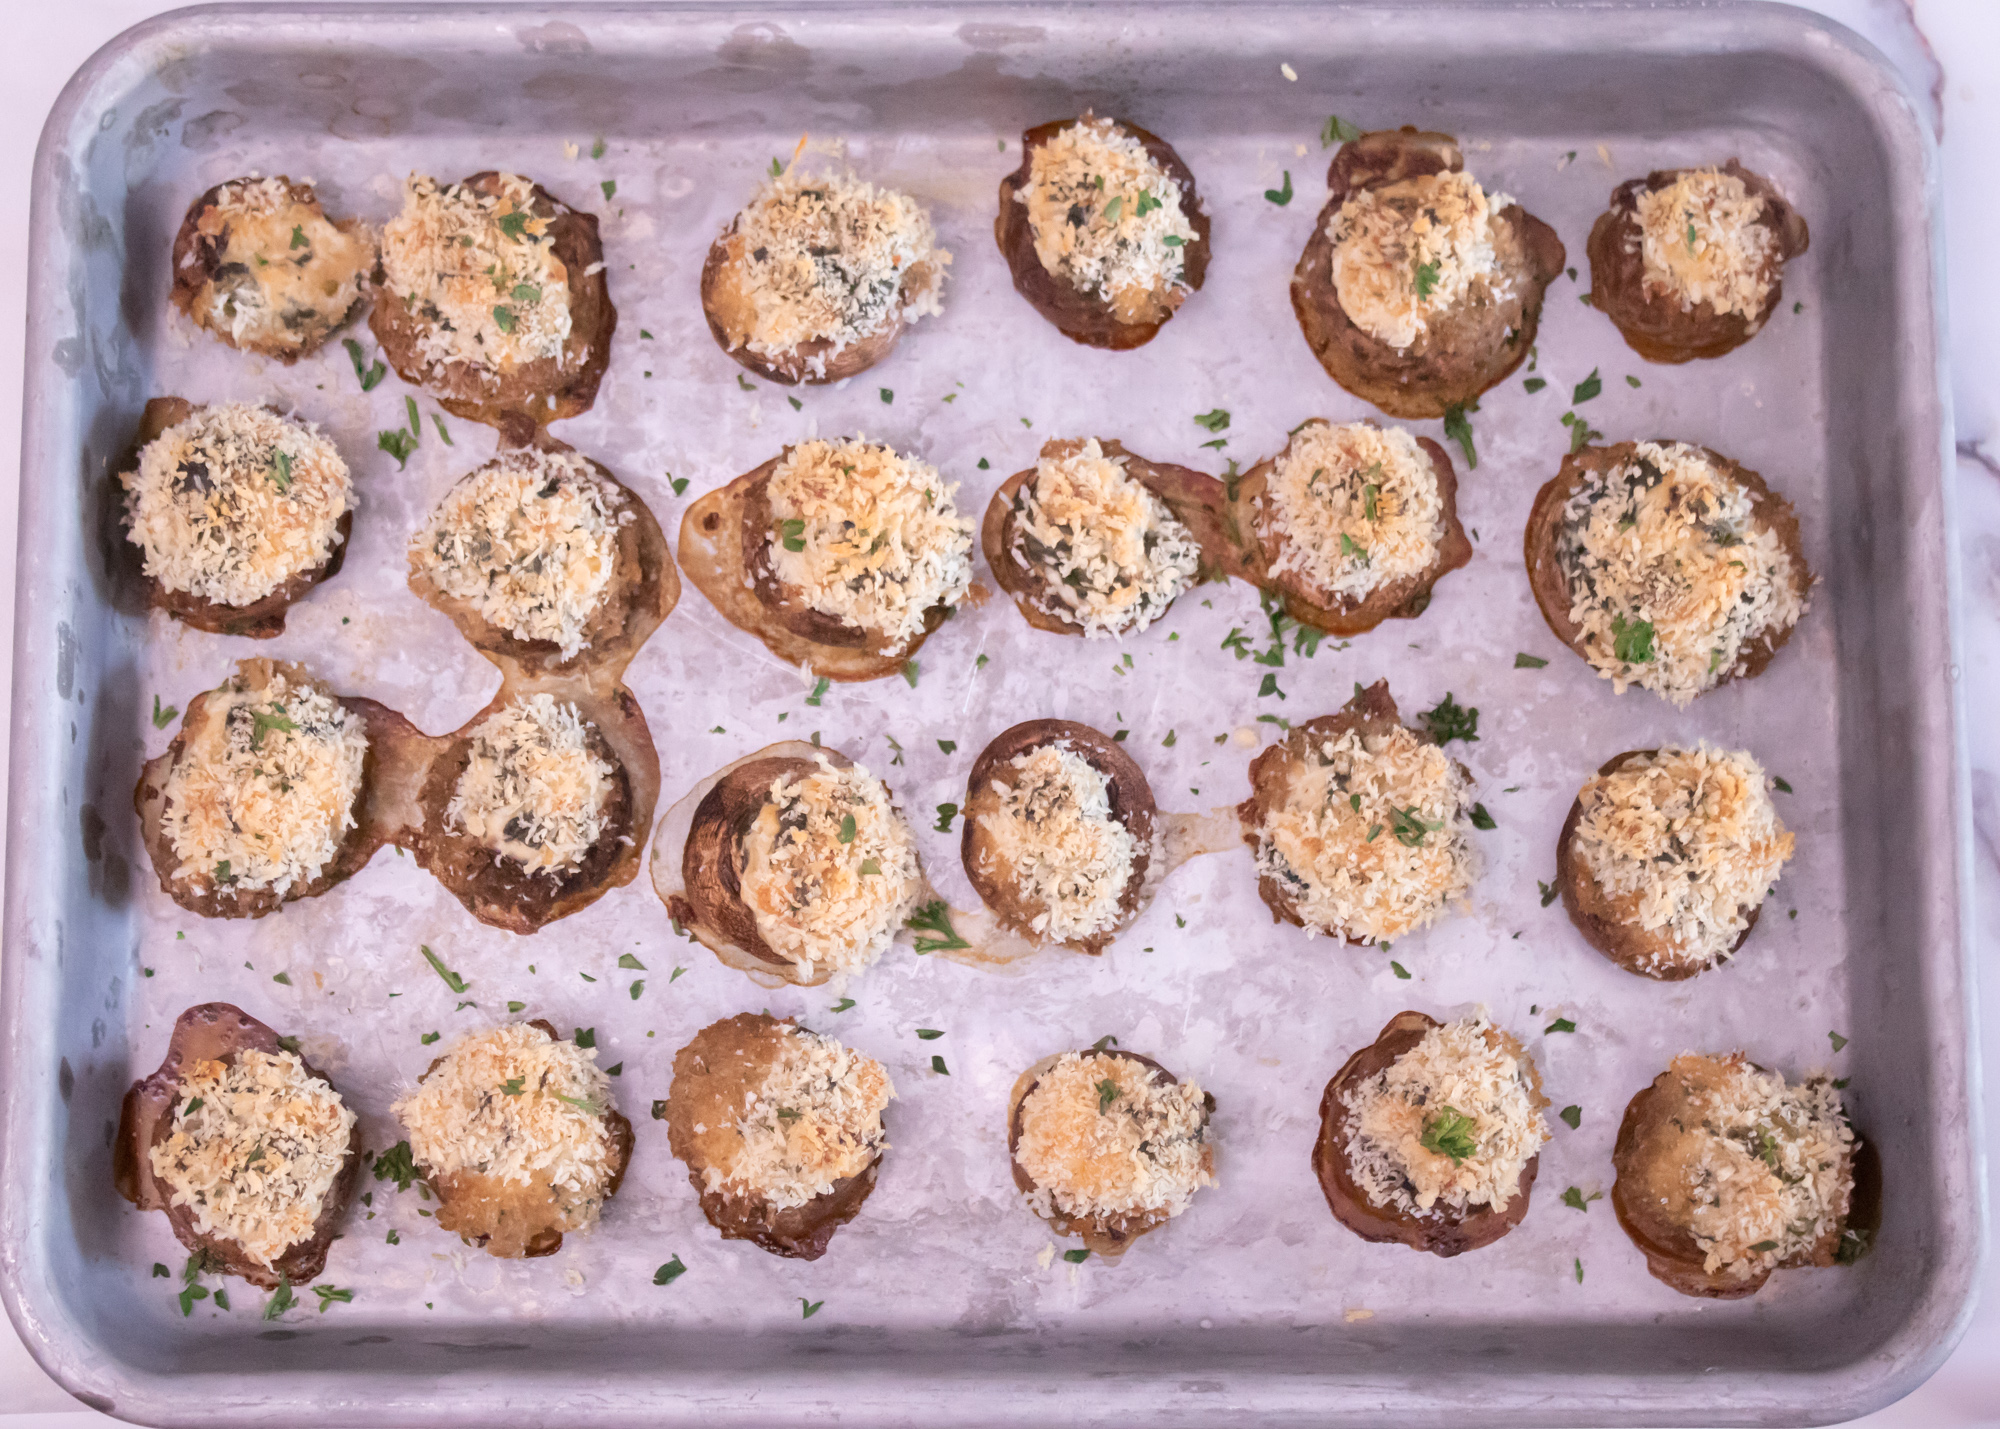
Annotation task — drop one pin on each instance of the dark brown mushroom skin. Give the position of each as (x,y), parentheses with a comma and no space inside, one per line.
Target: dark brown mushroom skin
(390,737)
(1131,799)
(1654,324)
(514,1220)
(712,1073)
(197,262)
(218,1032)
(504,894)
(1541,545)
(536,393)
(1446,1233)
(1079,316)
(712,860)
(644,588)
(725,550)
(1198,501)
(1604,924)
(1464,351)
(1371,711)
(1106,1234)
(1403,599)
(262,618)
(1672,1254)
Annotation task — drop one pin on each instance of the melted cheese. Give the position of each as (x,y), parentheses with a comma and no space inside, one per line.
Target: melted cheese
(1133,1148)
(1689,841)
(878,541)
(821,899)
(1114,554)
(1102,211)
(266,786)
(529,541)
(1469,1080)
(1060,845)
(814,1119)
(1765,1170)
(1350,509)
(1700,241)
(1664,558)
(532,791)
(515,1104)
(829,260)
(233,501)
(253,1150)
(1407,252)
(480,271)
(282,277)
(1370,841)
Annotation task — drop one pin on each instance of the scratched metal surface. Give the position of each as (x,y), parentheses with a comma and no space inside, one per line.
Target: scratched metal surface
(936,1304)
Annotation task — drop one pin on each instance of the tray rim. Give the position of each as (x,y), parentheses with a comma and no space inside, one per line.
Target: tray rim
(61,1343)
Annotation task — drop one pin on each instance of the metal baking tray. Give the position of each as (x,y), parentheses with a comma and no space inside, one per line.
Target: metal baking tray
(939,1305)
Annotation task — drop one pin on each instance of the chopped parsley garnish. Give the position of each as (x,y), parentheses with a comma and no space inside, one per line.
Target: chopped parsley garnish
(526,293)
(503,318)
(1525,661)
(610,187)
(811,1306)
(1630,380)
(281,1299)
(437,421)
(1561,1024)
(1107,1093)
(280,471)
(1269,686)
(368,376)
(928,1034)
(285,978)
(1535,384)
(514,224)
(1760,1247)
(792,534)
(1114,208)
(1549,892)
(1173,240)
(585,1037)
(797,405)
(193,1107)
(1076,1257)
(1449,1133)
(1215,421)
(1579,1270)
(948,746)
(843,1004)
(847,829)
(871,868)
(1837,1040)
(451,979)
(299,239)
(164,717)
(945,814)
(1777,783)
(1399,970)
(1374,832)
(1350,549)
(1581,433)
(638,988)
(398,444)
(1577,1201)
(745,383)
(938,1066)
(328,1295)
(262,724)
(1481,819)
(888,395)
(586,1105)
(631,960)
(1107,1040)
(514,1086)
(1279,196)
(1448,720)
(670,1272)
(1457,429)
(819,691)
(517,1007)
(679,484)
(1427,279)
(1573,1115)
(1409,827)
(396,1164)
(1632,641)
(1586,389)
(1337,131)
(935,918)
(430,1037)
(911,669)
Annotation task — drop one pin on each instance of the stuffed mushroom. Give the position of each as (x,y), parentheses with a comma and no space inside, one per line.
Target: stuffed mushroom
(1667,856)
(259,264)
(1103,229)
(1419,289)
(1690,262)
(1430,1136)
(493,299)
(780,1129)
(514,1131)
(233,512)
(818,276)
(1667,566)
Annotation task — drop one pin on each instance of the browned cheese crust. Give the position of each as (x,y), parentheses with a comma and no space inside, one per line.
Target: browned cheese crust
(1611,925)
(1654,323)
(1372,711)
(713,1074)
(1403,599)
(197,262)
(1652,1206)
(710,905)
(1197,500)
(1107,1235)
(502,893)
(725,550)
(1466,350)
(645,587)
(1448,1232)
(1132,805)
(1550,583)
(261,619)
(536,393)
(1084,317)
(218,1032)
(393,743)
(516,1220)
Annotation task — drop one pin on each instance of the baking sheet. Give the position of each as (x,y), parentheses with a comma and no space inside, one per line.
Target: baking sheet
(1255,1298)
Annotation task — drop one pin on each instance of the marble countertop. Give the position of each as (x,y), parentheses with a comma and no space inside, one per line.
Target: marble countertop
(1948,49)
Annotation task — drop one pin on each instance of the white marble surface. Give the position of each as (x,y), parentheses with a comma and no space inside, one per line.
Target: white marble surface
(45,43)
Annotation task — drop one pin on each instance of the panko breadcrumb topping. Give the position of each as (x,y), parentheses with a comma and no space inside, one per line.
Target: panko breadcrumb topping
(1061,846)
(1410,250)
(1107,218)
(282,275)
(533,789)
(1700,241)
(813,1120)
(1107,1136)
(1350,509)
